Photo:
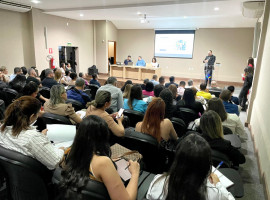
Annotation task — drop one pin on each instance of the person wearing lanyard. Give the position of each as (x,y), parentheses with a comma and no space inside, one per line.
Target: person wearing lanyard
(209,66)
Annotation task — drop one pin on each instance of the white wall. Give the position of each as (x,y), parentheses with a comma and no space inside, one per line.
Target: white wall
(78,33)
(260,108)
(231,46)
(16,40)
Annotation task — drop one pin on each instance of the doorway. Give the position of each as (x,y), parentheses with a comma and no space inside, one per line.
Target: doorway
(67,55)
(111,54)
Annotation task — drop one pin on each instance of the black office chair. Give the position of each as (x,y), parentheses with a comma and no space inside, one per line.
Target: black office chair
(94,190)
(75,104)
(50,118)
(88,92)
(93,89)
(217,157)
(134,117)
(27,179)
(154,158)
(227,131)
(2,109)
(187,115)
(237,189)
(234,139)
(92,70)
(215,92)
(10,95)
(179,126)
(45,92)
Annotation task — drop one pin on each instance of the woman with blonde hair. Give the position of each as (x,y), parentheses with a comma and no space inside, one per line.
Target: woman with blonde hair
(127,91)
(211,126)
(58,76)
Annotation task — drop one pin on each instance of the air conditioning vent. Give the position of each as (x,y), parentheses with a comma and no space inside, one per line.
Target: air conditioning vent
(13,6)
(253,9)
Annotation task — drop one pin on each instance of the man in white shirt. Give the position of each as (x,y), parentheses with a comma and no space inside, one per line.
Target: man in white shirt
(181,88)
(17,70)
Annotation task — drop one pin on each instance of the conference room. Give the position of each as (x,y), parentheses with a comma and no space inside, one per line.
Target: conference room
(123,45)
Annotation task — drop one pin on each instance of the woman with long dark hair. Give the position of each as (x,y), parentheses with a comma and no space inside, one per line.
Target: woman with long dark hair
(190,176)
(135,102)
(89,157)
(188,101)
(167,96)
(154,122)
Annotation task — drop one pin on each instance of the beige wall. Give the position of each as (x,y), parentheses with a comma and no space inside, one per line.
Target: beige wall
(259,111)
(78,33)
(232,47)
(101,46)
(16,40)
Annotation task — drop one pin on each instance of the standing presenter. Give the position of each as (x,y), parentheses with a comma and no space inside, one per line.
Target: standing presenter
(209,61)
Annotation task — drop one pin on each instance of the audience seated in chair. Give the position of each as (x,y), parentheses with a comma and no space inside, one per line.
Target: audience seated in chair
(57,105)
(176,97)
(4,71)
(232,121)
(126,83)
(189,84)
(225,96)
(158,89)
(3,80)
(211,126)
(17,70)
(81,75)
(58,77)
(49,80)
(161,80)
(32,89)
(154,80)
(94,80)
(188,101)
(67,76)
(144,83)
(155,123)
(73,77)
(234,99)
(135,102)
(77,93)
(171,82)
(99,105)
(116,94)
(18,83)
(32,76)
(149,89)
(181,88)
(214,86)
(203,92)
(89,158)
(18,134)
(190,176)
(127,91)
(171,110)
(198,98)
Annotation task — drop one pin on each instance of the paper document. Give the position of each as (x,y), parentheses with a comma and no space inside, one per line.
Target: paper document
(64,144)
(122,169)
(82,113)
(223,179)
(61,132)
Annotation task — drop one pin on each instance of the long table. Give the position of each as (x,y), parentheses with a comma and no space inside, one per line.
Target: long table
(134,72)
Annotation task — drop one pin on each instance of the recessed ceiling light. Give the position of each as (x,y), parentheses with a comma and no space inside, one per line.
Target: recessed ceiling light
(81,15)
(35,1)
(185,17)
(216,8)
(138,13)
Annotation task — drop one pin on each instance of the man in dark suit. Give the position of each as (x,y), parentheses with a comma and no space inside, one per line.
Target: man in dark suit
(209,61)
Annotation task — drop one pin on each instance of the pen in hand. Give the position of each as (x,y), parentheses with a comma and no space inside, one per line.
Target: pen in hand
(218,166)
(127,166)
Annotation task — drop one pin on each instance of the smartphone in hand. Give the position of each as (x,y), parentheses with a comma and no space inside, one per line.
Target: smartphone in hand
(120,112)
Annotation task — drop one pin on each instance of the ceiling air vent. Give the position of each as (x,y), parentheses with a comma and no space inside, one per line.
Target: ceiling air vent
(13,6)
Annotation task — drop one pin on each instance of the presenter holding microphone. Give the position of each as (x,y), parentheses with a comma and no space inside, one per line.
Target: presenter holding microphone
(209,66)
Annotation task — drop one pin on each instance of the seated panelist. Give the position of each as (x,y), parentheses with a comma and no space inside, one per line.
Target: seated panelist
(140,62)
(154,63)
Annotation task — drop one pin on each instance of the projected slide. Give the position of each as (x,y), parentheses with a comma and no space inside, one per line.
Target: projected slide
(179,45)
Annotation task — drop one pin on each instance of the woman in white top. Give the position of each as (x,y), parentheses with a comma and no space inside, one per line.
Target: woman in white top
(231,121)
(18,134)
(190,176)
(154,62)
